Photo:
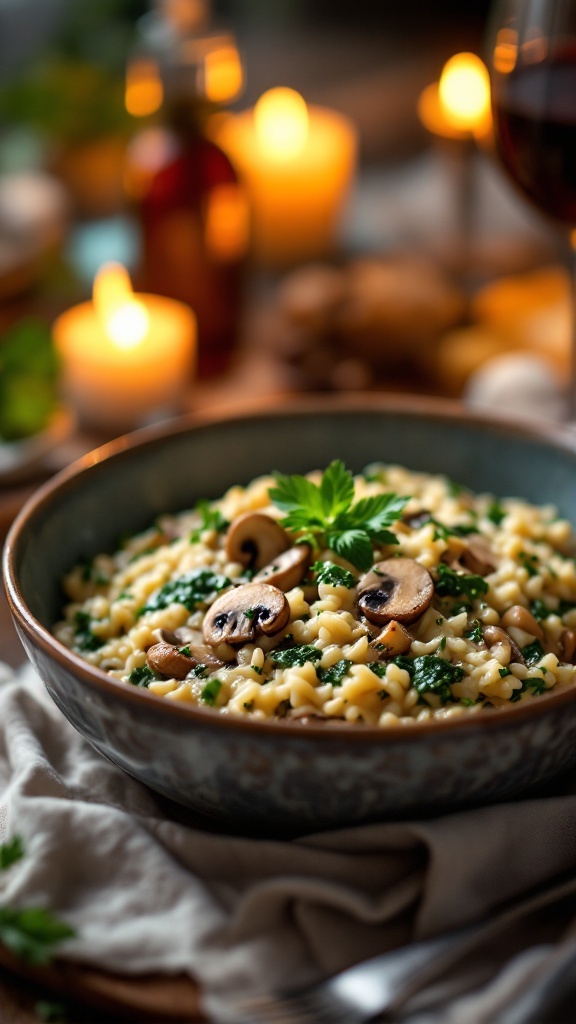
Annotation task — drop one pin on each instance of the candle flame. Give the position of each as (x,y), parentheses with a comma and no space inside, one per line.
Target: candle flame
(281,123)
(144,93)
(464,92)
(124,317)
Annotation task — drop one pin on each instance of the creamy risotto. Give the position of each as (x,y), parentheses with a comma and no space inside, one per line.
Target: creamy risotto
(381,599)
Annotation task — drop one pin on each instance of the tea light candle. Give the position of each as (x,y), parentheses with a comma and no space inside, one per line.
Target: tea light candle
(298,163)
(126,358)
(458,106)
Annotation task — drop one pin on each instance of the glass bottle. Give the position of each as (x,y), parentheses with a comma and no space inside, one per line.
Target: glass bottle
(191,208)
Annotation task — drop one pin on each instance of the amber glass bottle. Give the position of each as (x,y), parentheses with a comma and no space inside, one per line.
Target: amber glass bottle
(191,208)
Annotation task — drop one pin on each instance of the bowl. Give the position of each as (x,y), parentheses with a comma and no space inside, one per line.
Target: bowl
(285,774)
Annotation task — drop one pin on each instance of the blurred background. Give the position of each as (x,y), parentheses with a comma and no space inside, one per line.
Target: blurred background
(351,232)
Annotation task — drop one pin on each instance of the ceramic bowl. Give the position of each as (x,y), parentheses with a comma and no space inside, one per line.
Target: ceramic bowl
(284,773)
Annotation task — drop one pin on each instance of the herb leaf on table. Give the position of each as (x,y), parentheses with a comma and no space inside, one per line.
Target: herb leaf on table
(32,932)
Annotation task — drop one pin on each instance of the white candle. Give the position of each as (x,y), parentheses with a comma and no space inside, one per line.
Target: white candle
(298,165)
(125,358)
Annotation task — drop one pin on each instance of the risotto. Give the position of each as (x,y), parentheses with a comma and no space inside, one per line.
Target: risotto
(384,599)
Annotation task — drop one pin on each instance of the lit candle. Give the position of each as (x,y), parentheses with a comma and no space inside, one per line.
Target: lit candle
(298,164)
(126,358)
(459,104)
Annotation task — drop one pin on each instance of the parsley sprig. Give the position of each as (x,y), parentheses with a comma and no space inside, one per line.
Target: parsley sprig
(326,515)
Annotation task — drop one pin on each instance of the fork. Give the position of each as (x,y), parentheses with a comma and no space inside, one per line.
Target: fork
(358,994)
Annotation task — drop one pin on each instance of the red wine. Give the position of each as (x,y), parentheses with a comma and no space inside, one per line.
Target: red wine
(535,129)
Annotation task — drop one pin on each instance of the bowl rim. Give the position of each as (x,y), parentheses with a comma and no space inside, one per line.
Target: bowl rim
(440,409)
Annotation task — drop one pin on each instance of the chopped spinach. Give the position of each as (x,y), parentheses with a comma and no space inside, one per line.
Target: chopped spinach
(533,652)
(142,676)
(496,512)
(210,692)
(451,583)
(291,656)
(503,672)
(191,589)
(430,674)
(474,633)
(530,562)
(84,638)
(536,684)
(333,575)
(539,609)
(444,532)
(377,668)
(335,674)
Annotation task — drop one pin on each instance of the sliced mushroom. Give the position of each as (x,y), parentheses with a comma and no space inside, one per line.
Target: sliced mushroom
(520,618)
(393,640)
(494,635)
(568,646)
(398,588)
(288,569)
(239,615)
(170,661)
(178,637)
(478,557)
(255,539)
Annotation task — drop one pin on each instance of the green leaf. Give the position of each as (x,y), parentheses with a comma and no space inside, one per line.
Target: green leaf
(496,512)
(11,852)
(291,656)
(211,519)
(32,933)
(376,513)
(355,546)
(191,589)
(297,494)
(430,674)
(531,683)
(210,692)
(333,575)
(84,638)
(474,633)
(143,676)
(451,583)
(335,674)
(533,652)
(336,489)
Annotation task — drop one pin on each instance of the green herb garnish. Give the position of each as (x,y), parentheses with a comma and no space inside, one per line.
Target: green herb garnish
(335,674)
(190,590)
(474,633)
(333,575)
(533,652)
(496,512)
(451,583)
(211,519)
(539,609)
(292,656)
(430,674)
(530,562)
(326,515)
(210,692)
(532,683)
(142,676)
(11,852)
(503,672)
(84,638)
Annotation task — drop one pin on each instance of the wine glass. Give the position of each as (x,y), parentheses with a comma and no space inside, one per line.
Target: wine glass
(533,74)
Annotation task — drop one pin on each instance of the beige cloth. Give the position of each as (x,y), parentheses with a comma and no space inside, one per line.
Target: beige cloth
(149,888)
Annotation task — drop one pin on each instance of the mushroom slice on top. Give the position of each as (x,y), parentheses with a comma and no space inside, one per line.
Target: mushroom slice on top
(288,569)
(478,557)
(394,639)
(239,615)
(171,661)
(254,539)
(398,588)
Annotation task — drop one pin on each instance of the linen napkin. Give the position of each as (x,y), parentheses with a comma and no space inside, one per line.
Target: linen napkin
(148,887)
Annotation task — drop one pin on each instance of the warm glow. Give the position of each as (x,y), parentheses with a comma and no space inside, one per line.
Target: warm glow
(223,74)
(464,91)
(227,222)
(506,51)
(144,93)
(124,318)
(281,124)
